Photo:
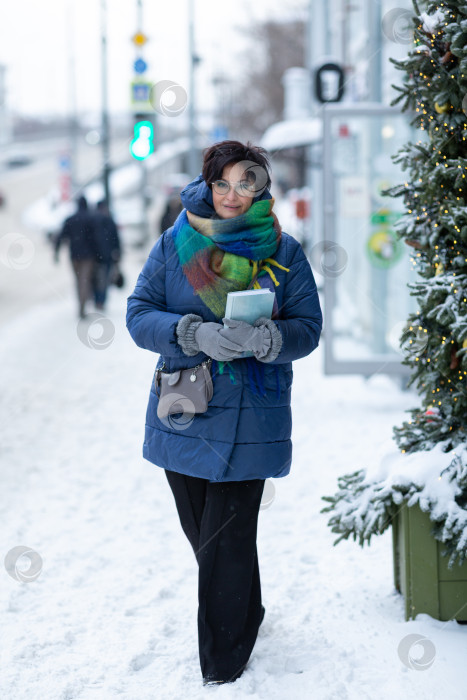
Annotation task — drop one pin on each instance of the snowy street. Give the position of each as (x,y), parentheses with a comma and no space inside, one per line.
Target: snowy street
(113,611)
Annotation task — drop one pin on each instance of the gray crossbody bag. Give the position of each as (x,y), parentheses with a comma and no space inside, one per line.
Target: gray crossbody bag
(184,391)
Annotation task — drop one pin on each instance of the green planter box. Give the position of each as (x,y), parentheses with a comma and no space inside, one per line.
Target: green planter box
(421,572)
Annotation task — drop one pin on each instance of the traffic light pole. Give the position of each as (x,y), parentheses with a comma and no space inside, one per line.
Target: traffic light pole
(142,144)
(145,204)
(141,147)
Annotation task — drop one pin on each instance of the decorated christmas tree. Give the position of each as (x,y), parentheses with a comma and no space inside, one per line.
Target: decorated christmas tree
(429,465)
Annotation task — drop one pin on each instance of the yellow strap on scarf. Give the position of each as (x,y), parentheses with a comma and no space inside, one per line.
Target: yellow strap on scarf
(268,270)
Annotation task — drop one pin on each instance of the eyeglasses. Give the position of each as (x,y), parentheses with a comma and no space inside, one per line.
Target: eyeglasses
(244,188)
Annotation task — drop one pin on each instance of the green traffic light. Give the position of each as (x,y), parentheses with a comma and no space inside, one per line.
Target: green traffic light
(142,145)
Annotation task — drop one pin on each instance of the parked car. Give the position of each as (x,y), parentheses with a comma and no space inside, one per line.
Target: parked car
(18,159)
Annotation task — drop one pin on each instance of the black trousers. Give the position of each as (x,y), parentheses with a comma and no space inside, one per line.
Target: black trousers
(220,521)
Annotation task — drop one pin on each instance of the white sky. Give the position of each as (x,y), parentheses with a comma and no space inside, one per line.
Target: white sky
(35,38)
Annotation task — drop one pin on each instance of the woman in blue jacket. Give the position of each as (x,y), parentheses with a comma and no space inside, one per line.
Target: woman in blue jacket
(226,238)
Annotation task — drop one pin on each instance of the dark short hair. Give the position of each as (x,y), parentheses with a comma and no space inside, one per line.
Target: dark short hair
(217,156)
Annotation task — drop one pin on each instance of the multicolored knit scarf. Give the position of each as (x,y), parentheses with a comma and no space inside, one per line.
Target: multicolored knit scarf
(223,255)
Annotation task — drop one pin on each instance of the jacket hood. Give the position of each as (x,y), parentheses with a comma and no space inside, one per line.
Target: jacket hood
(82,203)
(197,198)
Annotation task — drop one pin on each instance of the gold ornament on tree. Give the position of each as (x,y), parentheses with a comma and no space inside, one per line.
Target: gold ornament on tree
(441,109)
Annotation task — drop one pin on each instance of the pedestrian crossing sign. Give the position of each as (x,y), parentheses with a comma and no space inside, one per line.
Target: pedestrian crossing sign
(140,93)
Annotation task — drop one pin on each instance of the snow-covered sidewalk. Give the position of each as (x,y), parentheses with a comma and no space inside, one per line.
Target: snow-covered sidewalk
(112,613)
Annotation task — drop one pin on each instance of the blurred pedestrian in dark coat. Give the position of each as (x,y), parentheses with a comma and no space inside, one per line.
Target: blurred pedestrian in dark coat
(108,252)
(173,208)
(78,231)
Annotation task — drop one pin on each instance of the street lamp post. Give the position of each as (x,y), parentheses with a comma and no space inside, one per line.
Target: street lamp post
(193,155)
(316,48)
(73,119)
(105,108)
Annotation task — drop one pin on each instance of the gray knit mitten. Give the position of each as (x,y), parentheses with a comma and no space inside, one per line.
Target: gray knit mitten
(263,338)
(195,335)
(276,338)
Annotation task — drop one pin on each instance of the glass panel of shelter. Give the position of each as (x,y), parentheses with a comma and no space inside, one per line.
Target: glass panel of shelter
(372,266)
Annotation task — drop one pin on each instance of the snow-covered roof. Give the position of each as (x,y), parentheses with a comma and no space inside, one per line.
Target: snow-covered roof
(293,132)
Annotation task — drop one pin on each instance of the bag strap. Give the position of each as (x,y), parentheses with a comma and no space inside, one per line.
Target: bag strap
(157,381)
(208,379)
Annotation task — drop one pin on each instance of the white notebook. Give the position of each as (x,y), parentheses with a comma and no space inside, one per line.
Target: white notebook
(249,305)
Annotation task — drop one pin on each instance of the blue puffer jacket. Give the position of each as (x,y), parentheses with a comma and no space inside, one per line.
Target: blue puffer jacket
(244,434)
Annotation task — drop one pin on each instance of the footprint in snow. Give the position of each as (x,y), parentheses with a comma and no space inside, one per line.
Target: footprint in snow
(141,661)
(166,593)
